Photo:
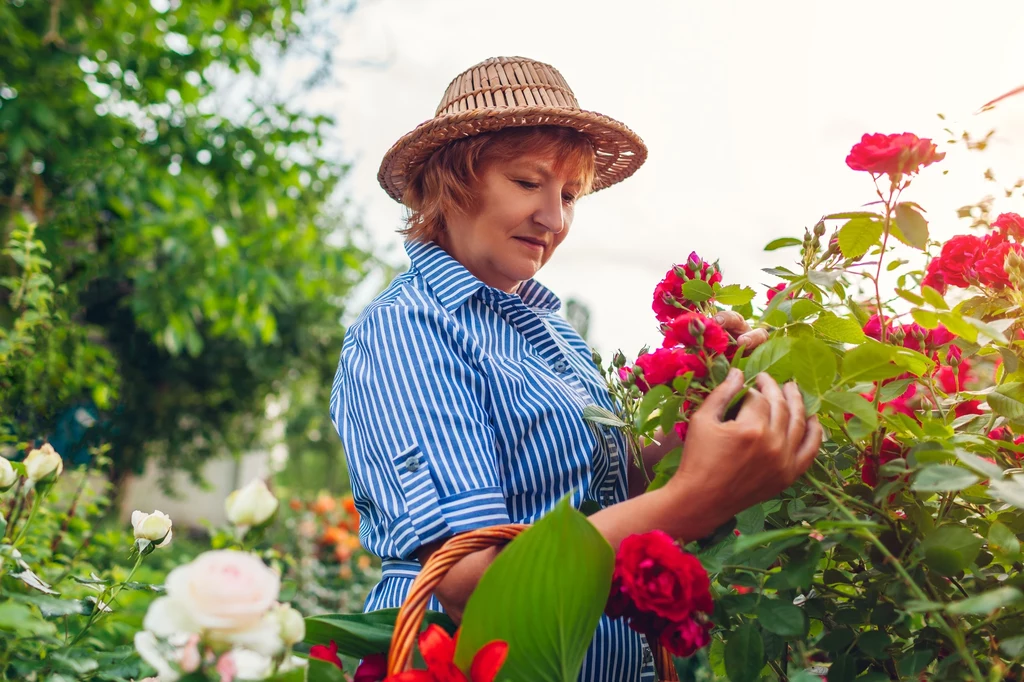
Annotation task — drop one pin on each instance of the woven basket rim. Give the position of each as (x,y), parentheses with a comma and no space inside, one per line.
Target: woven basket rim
(619,151)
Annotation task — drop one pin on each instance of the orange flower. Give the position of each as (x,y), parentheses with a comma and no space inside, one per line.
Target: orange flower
(363,562)
(295,504)
(334,536)
(342,552)
(345,572)
(349,505)
(323,504)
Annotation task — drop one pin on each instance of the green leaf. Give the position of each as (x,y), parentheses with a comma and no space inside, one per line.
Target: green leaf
(870,361)
(910,296)
(745,542)
(361,634)
(52,607)
(874,643)
(1009,490)
(839,403)
(950,549)
(982,466)
(547,614)
(1003,542)
(1008,400)
(651,401)
(782,242)
(734,294)
(744,654)
(322,671)
(912,225)
(816,370)
(934,298)
(21,620)
(858,235)
(843,669)
(697,290)
(773,357)
(782,618)
(986,602)
(956,324)
(943,478)
(600,415)
(926,318)
(1013,646)
(841,329)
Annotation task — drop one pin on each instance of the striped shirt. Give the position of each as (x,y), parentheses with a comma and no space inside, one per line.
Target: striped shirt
(459,406)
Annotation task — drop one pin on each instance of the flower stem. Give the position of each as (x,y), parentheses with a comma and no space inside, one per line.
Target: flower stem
(95,616)
(37,498)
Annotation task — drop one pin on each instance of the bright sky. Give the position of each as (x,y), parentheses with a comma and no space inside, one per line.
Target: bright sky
(748,108)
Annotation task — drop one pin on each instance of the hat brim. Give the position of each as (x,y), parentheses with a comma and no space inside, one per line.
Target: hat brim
(618,150)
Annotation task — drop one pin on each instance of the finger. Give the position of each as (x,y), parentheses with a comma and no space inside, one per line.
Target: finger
(797,419)
(755,409)
(777,403)
(732,321)
(809,447)
(753,339)
(717,402)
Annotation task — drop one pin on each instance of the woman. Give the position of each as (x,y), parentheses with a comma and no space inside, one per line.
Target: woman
(459,393)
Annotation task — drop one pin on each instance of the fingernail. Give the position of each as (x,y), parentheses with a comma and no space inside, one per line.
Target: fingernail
(720,318)
(735,373)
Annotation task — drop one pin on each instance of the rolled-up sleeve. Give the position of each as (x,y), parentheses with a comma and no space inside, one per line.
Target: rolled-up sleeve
(410,406)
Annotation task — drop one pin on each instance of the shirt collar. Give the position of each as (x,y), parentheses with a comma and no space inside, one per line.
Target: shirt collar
(453,284)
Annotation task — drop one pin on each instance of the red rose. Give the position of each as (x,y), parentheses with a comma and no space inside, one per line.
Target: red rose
(914,337)
(956,262)
(327,653)
(1010,225)
(696,331)
(891,450)
(991,269)
(934,277)
(968,407)
(873,327)
(952,380)
(660,578)
(893,154)
(373,668)
(668,294)
(999,433)
(939,336)
(685,638)
(665,364)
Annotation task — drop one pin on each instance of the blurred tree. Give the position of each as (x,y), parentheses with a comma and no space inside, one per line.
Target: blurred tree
(198,262)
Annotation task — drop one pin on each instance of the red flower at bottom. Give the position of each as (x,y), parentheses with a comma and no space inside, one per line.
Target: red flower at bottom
(683,639)
(438,649)
(373,668)
(327,653)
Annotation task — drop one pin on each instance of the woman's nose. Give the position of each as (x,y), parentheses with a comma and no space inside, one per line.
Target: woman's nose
(549,213)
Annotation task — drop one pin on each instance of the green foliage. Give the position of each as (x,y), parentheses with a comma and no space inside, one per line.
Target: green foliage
(194,262)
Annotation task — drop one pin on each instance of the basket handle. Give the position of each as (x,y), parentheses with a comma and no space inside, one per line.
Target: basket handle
(410,616)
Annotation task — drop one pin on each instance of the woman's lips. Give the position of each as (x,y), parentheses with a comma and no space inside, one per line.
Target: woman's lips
(530,244)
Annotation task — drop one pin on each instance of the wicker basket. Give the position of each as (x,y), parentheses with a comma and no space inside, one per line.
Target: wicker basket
(410,616)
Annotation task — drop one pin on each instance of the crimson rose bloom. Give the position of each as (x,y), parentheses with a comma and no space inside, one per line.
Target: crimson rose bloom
(991,270)
(683,639)
(373,668)
(891,450)
(327,653)
(660,578)
(669,291)
(893,154)
(665,364)
(696,331)
(1010,225)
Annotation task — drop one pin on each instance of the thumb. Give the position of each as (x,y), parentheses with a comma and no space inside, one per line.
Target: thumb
(717,402)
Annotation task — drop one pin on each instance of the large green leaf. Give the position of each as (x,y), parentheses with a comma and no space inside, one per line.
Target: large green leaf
(773,357)
(943,478)
(839,403)
(814,368)
(697,290)
(858,235)
(782,618)
(913,228)
(870,361)
(1003,542)
(842,329)
(986,602)
(950,549)
(734,294)
(361,634)
(744,654)
(1008,400)
(544,595)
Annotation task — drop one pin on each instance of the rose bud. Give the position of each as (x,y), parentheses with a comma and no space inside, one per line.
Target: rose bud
(43,464)
(8,476)
(252,505)
(293,625)
(155,527)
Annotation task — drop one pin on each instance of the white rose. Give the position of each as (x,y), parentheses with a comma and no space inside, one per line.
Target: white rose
(8,476)
(247,665)
(223,594)
(291,623)
(43,463)
(155,527)
(252,505)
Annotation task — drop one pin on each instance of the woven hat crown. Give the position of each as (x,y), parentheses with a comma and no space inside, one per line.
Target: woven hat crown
(504,92)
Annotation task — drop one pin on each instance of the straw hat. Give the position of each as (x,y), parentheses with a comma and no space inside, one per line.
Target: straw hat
(502,92)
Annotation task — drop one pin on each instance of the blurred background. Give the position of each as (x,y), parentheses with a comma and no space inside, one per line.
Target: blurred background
(189,212)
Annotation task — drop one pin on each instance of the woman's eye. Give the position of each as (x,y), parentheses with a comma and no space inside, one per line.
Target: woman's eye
(526,184)
(569,198)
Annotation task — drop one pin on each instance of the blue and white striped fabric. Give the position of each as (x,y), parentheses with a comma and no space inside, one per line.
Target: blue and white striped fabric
(459,407)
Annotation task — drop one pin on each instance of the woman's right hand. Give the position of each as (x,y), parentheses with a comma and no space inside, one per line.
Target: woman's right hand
(739,463)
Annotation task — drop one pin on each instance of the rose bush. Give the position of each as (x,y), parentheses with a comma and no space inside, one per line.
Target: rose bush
(898,555)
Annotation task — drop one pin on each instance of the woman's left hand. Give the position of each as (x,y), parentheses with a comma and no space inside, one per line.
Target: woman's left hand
(734,323)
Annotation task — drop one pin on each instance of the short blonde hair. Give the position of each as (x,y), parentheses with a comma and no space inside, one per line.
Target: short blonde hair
(446,183)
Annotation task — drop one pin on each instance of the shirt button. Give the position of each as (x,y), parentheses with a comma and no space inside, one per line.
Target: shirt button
(413,463)
(561,366)
(648,656)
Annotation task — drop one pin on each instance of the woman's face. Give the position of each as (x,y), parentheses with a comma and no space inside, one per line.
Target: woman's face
(522,212)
